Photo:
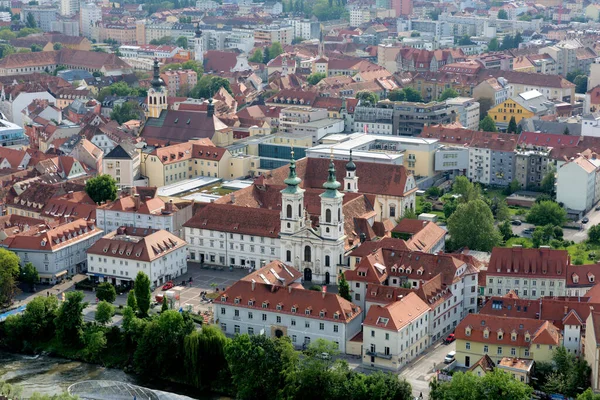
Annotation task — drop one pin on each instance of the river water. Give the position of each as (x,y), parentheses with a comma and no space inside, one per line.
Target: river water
(49,375)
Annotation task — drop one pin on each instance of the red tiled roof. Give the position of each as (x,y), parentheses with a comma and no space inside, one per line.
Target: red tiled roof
(396,315)
(518,261)
(54,239)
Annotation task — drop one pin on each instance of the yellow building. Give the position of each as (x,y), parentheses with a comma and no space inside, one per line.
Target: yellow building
(157,94)
(498,337)
(524,105)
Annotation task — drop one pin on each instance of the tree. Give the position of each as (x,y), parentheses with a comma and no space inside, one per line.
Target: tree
(549,182)
(106,292)
(142,292)
(574,74)
(412,95)
(204,357)
(101,188)
(588,395)
(514,186)
(396,95)
(488,125)
(104,312)
(581,82)
(433,191)
(165,303)
(315,78)
(266,56)
(27,31)
(570,374)
(29,275)
(182,42)
(414,34)
(594,234)
(472,226)
(344,288)
(259,365)
(512,125)
(448,94)
(500,209)
(208,85)
(465,189)
(257,56)
(275,50)
(367,98)
(465,41)
(69,319)
(493,45)
(493,385)
(36,48)
(57,46)
(95,343)
(131,302)
(566,131)
(485,104)
(7,34)
(162,40)
(505,230)
(9,272)
(125,112)
(547,212)
(30,21)
(426,207)
(502,14)
(297,40)
(38,318)
(449,207)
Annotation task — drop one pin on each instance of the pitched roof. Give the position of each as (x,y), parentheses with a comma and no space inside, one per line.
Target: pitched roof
(396,315)
(181,126)
(55,238)
(275,273)
(485,363)
(79,58)
(217,60)
(517,261)
(124,150)
(424,234)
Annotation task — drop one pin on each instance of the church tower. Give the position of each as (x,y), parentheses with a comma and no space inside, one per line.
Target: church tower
(332,218)
(292,202)
(351,180)
(198,45)
(157,94)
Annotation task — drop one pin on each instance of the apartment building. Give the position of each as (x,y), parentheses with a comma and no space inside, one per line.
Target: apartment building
(478,335)
(123,164)
(532,164)
(227,38)
(291,117)
(530,273)
(119,256)
(578,183)
(180,81)
(44,16)
(122,33)
(467,111)
(492,159)
(283,307)
(267,35)
(58,252)
(395,334)
(90,14)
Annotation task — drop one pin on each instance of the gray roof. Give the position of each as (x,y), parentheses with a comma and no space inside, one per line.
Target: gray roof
(71,75)
(123,150)
(537,125)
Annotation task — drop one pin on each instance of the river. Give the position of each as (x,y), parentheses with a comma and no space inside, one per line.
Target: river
(49,375)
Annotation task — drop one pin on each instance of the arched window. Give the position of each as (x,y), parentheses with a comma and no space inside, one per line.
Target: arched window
(307,255)
(339,214)
(289,211)
(348,185)
(328,215)
(288,256)
(299,210)
(327,261)
(392,210)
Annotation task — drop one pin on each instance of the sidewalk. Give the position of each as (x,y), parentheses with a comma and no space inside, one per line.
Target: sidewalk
(43,290)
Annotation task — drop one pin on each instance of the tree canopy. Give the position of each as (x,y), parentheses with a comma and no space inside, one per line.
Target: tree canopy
(9,272)
(367,98)
(472,226)
(494,385)
(141,288)
(487,124)
(101,188)
(315,78)
(502,14)
(208,85)
(547,212)
(448,94)
(106,292)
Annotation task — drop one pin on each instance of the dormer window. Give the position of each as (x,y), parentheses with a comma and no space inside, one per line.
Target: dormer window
(394,269)
(223,298)
(336,315)
(591,277)
(265,304)
(250,302)
(279,307)
(322,314)
(294,309)
(237,300)
(500,335)
(527,337)
(307,311)
(468,331)
(575,278)
(408,270)
(513,336)
(486,333)
(401,270)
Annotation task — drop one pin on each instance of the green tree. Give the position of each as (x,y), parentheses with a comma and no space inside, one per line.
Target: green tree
(104,312)
(10,391)
(29,275)
(182,42)
(485,103)
(581,82)
(465,189)
(36,48)
(7,34)
(407,214)
(57,46)
(502,14)
(493,45)
(259,365)
(38,318)
(165,303)
(465,41)
(30,21)
(69,319)
(588,395)
(448,94)
(131,302)
(396,95)
(106,292)
(266,56)
(574,74)
(125,112)
(513,187)
(142,292)
(315,78)
(344,288)
(367,98)
(9,272)
(163,40)
(566,131)
(547,212)
(433,191)
(449,207)
(204,357)
(488,125)
(594,234)
(101,188)
(512,125)
(27,31)
(426,207)
(95,343)
(412,95)
(570,374)
(472,226)
(549,182)
(505,230)
(257,56)
(275,50)
(208,85)
(493,385)
(500,209)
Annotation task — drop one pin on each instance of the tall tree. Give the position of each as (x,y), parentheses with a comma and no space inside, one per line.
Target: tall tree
(493,45)
(412,95)
(472,226)
(131,302)
(488,125)
(142,292)
(547,212)
(101,188)
(344,288)
(106,292)
(496,384)
(69,319)
(204,357)
(9,271)
(257,56)
(104,312)
(502,14)
(512,125)
(448,94)
(29,275)
(30,21)
(182,42)
(367,98)
(548,182)
(275,50)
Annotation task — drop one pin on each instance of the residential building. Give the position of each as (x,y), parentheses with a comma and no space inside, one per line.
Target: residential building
(592,347)
(492,159)
(11,135)
(523,106)
(305,28)
(467,111)
(590,124)
(227,38)
(529,273)
(180,81)
(498,337)
(118,256)
(44,16)
(267,35)
(519,368)
(395,334)
(578,183)
(90,14)
(58,252)
(532,164)
(123,164)
(272,302)
(425,236)
(292,116)
(122,33)
(68,7)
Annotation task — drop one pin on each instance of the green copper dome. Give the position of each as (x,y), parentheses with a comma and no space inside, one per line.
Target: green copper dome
(332,185)
(350,166)
(292,181)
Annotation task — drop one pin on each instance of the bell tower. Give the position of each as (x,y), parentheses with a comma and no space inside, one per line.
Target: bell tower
(292,202)
(331,221)
(351,180)
(198,45)
(157,94)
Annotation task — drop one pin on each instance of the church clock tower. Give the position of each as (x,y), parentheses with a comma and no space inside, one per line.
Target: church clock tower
(157,94)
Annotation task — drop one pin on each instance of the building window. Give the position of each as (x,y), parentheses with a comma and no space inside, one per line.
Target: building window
(278,319)
(468,346)
(236,329)
(307,253)
(321,326)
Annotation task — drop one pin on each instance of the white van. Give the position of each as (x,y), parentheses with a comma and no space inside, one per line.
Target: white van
(450,357)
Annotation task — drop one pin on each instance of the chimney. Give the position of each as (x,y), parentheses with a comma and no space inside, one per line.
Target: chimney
(136,201)
(232,198)
(169,206)
(70,194)
(566,309)
(289,289)
(363,237)
(253,285)
(263,263)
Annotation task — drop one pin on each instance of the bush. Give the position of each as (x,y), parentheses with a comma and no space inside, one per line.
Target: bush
(426,207)
(85,284)
(316,288)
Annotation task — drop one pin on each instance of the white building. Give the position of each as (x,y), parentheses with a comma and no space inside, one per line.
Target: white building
(271,301)
(590,124)
(572,333)
(123,164)
(305,28)
(577,183)
(90,13)
(56,253)
(467,110)
(120,255)
(68,7)
(395,334)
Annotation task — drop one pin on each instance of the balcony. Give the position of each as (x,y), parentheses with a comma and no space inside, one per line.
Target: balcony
(380,355)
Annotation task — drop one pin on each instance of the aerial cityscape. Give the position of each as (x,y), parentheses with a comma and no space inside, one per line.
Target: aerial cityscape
(299,199)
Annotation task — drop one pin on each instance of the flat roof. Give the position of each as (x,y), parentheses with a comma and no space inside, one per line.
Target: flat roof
(186,186)
(321,122)
(236,184)
(202,197)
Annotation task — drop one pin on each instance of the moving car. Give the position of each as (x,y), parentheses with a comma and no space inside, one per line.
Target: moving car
(450,339)
(450,357)
(168,285)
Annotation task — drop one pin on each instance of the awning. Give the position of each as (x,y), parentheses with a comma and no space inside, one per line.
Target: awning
(61,273)
(45,276)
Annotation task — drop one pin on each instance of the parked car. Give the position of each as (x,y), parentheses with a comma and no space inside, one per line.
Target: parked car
(168,285)
(450,357)
(450,339)
(585,220)
(516,222)
(597,208)
(325,356)
(528,231)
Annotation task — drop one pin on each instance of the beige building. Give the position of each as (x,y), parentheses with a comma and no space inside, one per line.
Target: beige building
(592,347)
(170,164)
(122,33)
(123,164)
(274,33)
(395,334)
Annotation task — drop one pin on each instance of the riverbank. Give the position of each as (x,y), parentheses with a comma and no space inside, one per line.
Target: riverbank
(53,375)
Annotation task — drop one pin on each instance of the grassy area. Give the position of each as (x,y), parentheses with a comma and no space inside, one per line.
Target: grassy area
(525,242)
(419,208)
(578,251)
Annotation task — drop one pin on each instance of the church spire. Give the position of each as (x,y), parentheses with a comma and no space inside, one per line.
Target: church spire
(292,181)
(156,81)
(331,185)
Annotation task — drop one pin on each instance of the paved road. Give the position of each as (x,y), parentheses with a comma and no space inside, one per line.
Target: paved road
(518,229)
(420,372)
